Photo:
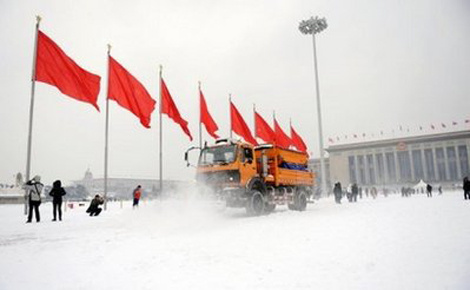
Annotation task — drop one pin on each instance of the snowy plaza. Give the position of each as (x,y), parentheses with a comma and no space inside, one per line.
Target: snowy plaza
(384,243)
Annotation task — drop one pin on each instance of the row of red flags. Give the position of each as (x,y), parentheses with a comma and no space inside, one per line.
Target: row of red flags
(401,129)
(54,67)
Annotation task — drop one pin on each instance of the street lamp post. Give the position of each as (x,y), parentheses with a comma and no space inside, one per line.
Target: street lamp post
(313,26)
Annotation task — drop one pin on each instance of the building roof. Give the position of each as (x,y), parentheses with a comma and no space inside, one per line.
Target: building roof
(407,140)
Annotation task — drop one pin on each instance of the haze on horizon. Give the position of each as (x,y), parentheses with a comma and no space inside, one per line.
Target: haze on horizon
(382,65)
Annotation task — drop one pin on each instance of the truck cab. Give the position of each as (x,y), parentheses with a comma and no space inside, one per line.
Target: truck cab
(227,163)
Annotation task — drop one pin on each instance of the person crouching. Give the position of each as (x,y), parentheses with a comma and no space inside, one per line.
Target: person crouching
(94,209)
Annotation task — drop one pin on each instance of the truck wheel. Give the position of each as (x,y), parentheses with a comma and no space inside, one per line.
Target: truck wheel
(255,205)
(270,207)
(301,201)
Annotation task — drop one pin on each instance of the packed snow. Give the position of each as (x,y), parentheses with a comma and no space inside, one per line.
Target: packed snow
(384,243)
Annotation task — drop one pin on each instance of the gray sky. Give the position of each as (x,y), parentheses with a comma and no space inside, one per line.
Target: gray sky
(382,64)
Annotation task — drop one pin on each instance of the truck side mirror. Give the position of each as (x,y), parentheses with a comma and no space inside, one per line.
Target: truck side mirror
(186,155)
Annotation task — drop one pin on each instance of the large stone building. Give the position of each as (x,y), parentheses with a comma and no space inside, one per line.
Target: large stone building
(436,159)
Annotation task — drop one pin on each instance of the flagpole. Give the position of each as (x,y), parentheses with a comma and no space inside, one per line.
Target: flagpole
(160,136)
(106,139)
(290,125)
(230,113)
(31,109)
(200,127)
(274,126)
(254,119)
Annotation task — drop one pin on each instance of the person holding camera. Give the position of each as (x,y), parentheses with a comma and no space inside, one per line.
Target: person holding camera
(94,209)
(33,193)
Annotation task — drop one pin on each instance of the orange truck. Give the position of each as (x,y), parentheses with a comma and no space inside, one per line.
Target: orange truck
(255,177)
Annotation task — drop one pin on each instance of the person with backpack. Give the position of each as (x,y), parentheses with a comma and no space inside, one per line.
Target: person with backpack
(57,192)
(33,193)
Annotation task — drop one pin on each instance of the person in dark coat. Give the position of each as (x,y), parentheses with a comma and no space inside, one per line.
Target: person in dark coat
(354,192)
(429,190)
(94,209)
(466,188)
(57,192)
(337,190)
(33,193)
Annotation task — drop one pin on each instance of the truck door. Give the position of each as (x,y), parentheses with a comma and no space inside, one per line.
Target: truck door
(247,165)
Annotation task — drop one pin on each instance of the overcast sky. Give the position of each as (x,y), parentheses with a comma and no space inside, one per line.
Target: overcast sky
(382,64)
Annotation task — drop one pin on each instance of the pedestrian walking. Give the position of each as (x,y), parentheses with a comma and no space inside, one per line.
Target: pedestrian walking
(57,192)
(33,193)
(137,194)
(94,209)
(466,188)
(373,192)
(354,192)
(429,190)
(338,192)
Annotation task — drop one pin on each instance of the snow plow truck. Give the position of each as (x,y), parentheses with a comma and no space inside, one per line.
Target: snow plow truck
(255,177)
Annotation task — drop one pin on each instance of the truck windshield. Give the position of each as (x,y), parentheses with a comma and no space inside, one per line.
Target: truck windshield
(218,155)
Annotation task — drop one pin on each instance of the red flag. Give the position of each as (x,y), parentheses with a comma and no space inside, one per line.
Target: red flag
(297,140)
(54,67)
(129,93)
(169,108)
(282,140)
(263,130)
(206,117)
(239,126)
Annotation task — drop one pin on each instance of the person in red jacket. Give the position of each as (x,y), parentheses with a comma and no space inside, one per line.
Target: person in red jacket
(137,193)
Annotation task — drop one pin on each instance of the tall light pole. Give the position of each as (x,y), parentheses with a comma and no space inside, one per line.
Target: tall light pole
(313,26)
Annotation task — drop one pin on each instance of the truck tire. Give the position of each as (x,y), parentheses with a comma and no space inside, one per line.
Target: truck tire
(255,204)
(300,201)
(270,207)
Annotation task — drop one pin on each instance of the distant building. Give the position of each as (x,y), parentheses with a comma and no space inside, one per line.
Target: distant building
(436,159)
(314,165)
(122,188)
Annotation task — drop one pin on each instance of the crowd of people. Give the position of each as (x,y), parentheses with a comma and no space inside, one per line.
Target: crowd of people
(34,189)
(353,191)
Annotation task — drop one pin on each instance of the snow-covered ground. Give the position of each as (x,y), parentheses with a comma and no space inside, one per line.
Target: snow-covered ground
(387,243)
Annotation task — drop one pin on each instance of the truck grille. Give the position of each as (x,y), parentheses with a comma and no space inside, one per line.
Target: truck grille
(218,177)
